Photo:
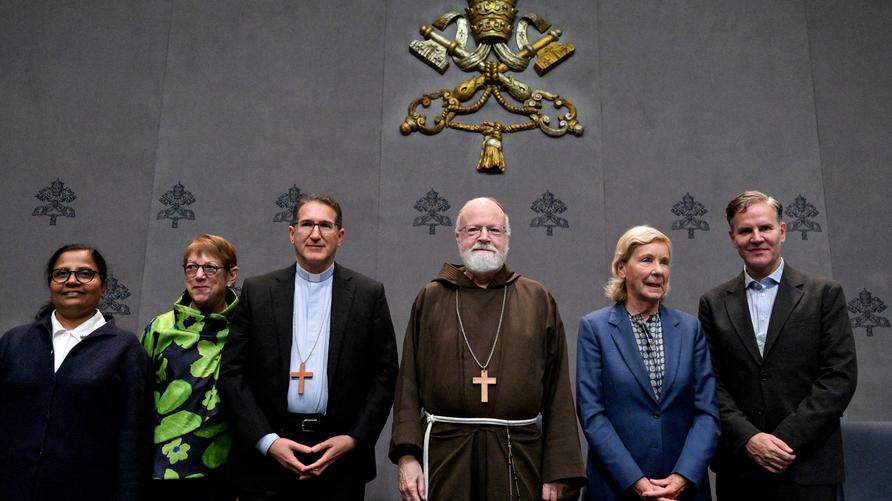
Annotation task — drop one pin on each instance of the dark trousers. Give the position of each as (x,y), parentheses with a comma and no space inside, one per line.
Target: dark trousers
(765,486)
(343,480)
(214,488)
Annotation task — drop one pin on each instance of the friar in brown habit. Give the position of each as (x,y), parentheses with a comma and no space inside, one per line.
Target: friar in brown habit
(483,408)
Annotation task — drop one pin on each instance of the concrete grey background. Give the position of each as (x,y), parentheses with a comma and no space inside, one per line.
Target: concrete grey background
(240,101)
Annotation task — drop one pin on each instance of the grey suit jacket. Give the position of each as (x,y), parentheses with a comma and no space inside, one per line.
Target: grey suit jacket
(798,389)
(254,373)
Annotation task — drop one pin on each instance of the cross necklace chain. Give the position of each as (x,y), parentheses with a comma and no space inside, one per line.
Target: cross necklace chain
(302,372)
(484,380)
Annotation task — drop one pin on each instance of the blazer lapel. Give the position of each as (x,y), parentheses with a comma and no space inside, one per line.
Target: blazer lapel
(625,341)
(739,315)
(342,293)
(671,346)
(282,297)
(789,292)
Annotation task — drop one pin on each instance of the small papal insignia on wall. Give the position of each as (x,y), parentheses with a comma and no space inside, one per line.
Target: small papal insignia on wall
(548,207)
(176,200)
(287,201)
(491,22)
(690,211)
(430,206)
(802,213)
(865,308)
(56,195)
(112,301)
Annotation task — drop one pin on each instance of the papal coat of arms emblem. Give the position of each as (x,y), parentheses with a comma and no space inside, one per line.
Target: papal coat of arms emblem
(491,22)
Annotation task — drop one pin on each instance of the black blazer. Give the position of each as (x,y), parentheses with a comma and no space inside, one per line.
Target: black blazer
(798,389)
(362,367)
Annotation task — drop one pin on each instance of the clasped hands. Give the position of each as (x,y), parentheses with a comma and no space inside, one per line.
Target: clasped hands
(285,452)
(660,489)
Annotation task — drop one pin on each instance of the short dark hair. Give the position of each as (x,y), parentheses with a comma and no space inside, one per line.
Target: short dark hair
(747,198)
(323,198)
(101,265)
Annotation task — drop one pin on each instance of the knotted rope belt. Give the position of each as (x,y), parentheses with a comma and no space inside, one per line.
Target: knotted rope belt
(432,418)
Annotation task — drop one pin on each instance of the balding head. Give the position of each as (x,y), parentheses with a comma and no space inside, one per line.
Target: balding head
(488,205)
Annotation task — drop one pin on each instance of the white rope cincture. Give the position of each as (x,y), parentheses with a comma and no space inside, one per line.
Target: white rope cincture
(432,418)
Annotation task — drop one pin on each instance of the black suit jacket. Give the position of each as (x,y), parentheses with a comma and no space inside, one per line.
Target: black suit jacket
(798,389)
(254,373)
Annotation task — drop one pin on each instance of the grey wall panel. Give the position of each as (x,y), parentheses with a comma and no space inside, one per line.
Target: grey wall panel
(852,78)
(706,99)
(259,99)
(80,86)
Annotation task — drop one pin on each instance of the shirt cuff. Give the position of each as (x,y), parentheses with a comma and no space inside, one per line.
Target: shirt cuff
(266,441)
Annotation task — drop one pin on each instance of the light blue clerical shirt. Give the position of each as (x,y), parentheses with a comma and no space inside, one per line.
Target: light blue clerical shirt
(760,295)
(310,327)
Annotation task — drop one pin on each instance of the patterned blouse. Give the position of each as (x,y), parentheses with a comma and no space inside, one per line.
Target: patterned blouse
(184,345)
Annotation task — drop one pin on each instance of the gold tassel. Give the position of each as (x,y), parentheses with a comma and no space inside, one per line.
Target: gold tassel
(491,159)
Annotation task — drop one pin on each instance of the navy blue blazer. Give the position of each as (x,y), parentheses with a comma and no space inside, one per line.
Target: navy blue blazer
(630,433)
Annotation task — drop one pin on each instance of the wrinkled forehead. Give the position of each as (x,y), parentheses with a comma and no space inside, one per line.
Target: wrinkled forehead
(482,213)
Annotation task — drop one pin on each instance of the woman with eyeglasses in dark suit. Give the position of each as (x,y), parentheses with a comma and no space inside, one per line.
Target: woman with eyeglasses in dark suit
(74,395)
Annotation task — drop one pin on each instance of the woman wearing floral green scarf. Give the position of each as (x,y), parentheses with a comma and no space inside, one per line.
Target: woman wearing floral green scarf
(191,432)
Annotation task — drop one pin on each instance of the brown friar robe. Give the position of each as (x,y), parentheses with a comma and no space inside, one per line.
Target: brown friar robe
(470,462)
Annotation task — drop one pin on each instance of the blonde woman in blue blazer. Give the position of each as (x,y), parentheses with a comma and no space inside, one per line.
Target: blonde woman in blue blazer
(644,384)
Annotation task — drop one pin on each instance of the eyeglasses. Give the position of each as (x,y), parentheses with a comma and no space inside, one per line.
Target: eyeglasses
(82,275)
(476,231)
(306,227)
(209,269)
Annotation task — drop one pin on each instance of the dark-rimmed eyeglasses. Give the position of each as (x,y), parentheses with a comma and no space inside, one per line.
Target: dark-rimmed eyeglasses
(306,227)
(476,231)
(209,269)
(82,275)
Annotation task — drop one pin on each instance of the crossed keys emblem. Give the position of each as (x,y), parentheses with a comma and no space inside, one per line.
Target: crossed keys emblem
(491,23)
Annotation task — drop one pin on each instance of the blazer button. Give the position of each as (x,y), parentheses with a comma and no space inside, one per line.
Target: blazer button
(759,412)
(656,414)
(764,376)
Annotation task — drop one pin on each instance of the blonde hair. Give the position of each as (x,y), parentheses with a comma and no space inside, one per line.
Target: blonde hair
(625,246)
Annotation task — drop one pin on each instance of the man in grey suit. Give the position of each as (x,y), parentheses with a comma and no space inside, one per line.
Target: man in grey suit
(784,359)
(309,370)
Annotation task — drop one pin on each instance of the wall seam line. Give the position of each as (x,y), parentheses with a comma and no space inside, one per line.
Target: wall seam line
(163,87)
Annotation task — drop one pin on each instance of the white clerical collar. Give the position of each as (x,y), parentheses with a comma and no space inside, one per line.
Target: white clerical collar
(81,331)
(313,277)
(773,279)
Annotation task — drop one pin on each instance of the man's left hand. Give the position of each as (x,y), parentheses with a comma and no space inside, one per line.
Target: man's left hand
(669,488)
(552,491)
(332,449)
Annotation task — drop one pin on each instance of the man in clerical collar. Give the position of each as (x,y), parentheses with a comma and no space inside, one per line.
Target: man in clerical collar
(309,370)
(784,359)
(483,408)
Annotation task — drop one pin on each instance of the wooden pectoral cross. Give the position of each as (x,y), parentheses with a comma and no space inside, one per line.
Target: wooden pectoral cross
(484,381)
(300,375)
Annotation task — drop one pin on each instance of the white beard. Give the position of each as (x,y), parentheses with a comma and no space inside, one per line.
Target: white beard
(483,262)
